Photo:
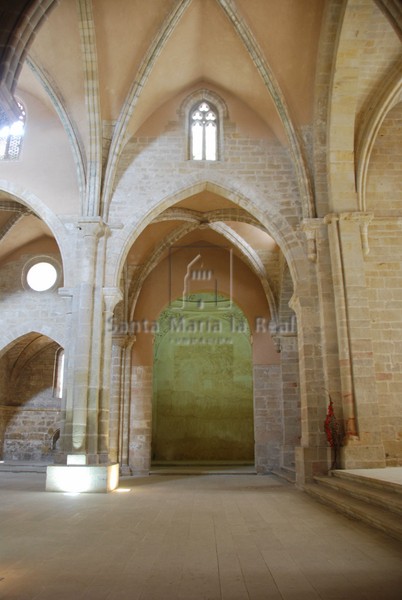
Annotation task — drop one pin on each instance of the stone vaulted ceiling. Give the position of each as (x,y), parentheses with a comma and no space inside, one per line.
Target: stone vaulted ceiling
(95,73)
(102,66)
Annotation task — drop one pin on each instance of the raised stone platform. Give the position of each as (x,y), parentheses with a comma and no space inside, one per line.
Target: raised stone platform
(370,495)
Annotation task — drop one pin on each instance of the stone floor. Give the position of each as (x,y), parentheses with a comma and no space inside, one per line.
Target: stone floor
(187,537)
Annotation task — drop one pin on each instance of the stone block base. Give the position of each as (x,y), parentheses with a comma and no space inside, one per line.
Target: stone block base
(358,456)
(311,462)
(82,478)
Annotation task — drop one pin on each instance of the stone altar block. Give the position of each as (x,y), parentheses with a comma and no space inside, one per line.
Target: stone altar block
(82,478)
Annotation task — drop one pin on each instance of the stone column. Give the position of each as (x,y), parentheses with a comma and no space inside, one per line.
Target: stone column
(66,416)
(141,420)
(120,400)
(312,457)
(111,297)
(267,417)
(290,397)
(318,253)
(347,233)
(84,363)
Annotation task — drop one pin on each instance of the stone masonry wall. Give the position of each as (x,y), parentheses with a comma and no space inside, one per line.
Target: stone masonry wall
(384,283)
(23,310)
(32,414)
(384,184)
(141,420)
(150,169)
(267,417)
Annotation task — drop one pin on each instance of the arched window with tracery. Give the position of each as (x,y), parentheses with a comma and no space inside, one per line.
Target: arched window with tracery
(11,137)
(203,131)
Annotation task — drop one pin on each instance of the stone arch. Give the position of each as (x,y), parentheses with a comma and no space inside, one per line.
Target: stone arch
(134,93)
(382,176)
(75,140)
(274,89)
(22,20)
(191,224)
(137,440)
(353,123)
(272,221)
(40,209)
(7,339)
(30,411)
(204,94)
(391,95)
(344,94)
(327,44)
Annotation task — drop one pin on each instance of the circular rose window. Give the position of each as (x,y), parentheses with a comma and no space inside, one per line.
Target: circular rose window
(41,276)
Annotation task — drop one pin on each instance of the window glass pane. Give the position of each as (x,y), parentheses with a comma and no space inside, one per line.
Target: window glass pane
(41,276)
(196,146)
(3,146)
(11,137)
(203,132)
(210,141)
(59,375)
(14,144)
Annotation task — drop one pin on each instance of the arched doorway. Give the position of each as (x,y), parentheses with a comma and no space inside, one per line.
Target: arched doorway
(203,383)
(31,399)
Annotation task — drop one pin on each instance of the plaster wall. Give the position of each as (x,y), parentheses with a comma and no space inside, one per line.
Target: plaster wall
(203,386)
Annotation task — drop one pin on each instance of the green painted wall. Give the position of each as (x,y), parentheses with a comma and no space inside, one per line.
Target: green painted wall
(203,396)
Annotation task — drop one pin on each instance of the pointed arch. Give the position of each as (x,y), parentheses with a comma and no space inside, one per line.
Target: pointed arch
(23,22)
(250,255)
(92,97)
(273,87)
(270,220)
(40,209)
(392,93)
(70,127)
(140,80)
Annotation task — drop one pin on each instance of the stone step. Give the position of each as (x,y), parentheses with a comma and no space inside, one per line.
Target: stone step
(354,508)
(383,497)
(287,473)
(370,482)
(21,467)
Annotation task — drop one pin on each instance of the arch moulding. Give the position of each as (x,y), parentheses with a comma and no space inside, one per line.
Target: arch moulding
(271,220)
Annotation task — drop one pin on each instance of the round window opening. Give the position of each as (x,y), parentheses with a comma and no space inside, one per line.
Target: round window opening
(41,276)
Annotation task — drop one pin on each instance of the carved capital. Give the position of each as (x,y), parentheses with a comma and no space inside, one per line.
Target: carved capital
(92,227)
(111,297)
(123,340)
(363,219)
(330,219)
(310,228)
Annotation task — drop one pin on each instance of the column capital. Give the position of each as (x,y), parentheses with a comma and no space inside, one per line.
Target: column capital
(92,227)
(123,340)
(358,217)
(111,297)
(310,227)
(362,219)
